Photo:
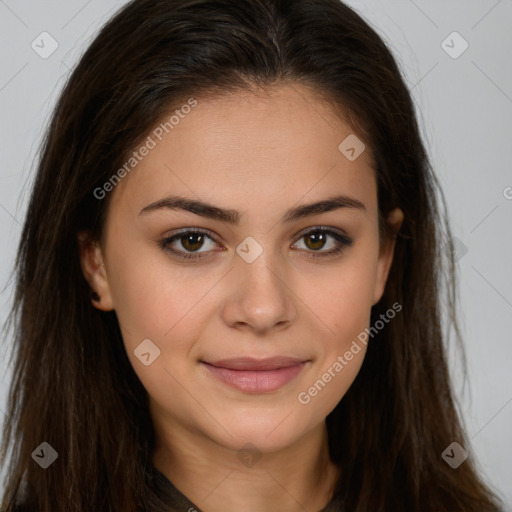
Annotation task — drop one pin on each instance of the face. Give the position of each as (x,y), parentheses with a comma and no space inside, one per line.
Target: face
(230,313)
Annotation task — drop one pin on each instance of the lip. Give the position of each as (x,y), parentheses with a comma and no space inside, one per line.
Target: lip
(256,375)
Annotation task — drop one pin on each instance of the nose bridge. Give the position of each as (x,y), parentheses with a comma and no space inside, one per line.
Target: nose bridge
(261,273)
(260,298)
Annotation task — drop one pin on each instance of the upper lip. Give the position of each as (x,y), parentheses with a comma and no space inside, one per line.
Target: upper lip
(250,363)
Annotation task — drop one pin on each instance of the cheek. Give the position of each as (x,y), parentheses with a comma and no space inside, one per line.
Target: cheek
(152,296)
(166,304)
(320,395)
(344,299)
(152,303)
(342,353)
(344,305)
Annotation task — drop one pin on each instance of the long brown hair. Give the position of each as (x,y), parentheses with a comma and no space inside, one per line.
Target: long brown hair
(73,386)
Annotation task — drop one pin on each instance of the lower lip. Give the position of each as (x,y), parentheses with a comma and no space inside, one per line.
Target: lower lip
(261,381)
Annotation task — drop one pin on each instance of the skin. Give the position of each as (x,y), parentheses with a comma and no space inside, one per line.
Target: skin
(260,154)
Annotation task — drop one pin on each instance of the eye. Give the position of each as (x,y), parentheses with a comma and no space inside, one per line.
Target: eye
(187,244)
(318,238)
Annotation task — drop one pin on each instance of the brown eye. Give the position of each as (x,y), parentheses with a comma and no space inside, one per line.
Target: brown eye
(192,242)
(189,244)
(316,240)
(319,238)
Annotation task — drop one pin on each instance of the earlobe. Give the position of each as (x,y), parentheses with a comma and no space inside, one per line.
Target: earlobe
(394,220)
(93,268)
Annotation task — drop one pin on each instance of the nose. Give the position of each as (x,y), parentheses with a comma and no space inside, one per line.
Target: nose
(260,297)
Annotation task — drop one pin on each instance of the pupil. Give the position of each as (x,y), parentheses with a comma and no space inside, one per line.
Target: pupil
(189,241)
(318,244)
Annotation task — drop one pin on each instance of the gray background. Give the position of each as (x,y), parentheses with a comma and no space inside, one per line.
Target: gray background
(465,110)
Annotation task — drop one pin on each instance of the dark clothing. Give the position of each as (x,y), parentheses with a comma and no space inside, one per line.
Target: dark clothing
(166,498)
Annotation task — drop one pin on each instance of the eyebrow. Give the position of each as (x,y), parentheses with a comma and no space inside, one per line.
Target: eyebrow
(234,216)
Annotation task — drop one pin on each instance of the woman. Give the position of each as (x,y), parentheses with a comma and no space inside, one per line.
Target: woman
(228,278)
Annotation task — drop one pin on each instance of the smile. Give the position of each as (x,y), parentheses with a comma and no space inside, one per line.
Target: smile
(253,376)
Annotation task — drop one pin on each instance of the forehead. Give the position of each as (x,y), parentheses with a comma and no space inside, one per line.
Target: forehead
(248,148)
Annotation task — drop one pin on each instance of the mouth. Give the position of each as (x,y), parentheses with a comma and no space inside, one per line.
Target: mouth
(256,376)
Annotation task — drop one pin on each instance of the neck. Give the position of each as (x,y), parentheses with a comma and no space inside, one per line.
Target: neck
(298,477)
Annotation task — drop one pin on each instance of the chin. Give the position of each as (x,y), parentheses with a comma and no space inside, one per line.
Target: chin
(268,434)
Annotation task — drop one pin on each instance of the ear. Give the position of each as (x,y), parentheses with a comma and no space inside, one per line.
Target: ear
(387,247)
(94,271)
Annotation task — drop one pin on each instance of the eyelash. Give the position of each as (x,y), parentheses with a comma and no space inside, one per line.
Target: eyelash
(343,240)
